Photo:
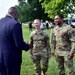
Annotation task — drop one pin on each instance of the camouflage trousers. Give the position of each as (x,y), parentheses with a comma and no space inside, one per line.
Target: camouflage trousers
(69,65)
(41,63)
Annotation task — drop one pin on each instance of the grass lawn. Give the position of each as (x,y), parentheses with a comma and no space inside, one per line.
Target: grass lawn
(27,67)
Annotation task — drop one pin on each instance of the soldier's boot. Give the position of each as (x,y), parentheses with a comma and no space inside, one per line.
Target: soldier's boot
(43,73)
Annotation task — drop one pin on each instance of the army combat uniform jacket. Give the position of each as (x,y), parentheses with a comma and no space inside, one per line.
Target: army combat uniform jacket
(63,40)
(40,42)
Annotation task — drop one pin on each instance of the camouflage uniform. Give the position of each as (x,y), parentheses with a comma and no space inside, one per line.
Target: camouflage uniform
(51,32)
(40,51)
(63,42)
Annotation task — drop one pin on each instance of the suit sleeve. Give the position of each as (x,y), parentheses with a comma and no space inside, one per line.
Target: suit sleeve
(18,38)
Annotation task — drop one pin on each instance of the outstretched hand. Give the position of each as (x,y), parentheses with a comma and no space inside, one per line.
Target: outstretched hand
(30,46)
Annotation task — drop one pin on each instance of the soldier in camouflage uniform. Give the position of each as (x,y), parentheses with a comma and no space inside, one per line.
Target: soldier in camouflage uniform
(40,51)
(63,42)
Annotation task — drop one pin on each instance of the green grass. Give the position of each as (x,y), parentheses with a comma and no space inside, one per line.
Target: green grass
(27,67)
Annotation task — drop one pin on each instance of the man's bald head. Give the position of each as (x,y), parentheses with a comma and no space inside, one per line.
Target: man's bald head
(13,11)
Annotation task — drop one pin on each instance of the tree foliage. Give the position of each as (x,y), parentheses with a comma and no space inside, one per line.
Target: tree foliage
(30,10)
(53,7)
(37,10)
(25,11)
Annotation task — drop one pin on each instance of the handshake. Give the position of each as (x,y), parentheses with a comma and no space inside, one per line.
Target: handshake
(30,45)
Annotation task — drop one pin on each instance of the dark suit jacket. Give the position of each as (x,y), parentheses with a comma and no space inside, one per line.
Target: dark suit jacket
(11,42)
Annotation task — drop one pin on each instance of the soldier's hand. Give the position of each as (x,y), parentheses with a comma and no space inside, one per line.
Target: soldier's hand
(31,46)
(70,55)
(52,53)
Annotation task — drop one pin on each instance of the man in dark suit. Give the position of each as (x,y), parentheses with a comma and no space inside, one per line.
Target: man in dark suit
(11,43)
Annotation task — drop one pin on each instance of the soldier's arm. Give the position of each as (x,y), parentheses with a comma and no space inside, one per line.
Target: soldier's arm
(71,33)
(53,43)
(31,44)
(72,39)
(48,46)
(51,36)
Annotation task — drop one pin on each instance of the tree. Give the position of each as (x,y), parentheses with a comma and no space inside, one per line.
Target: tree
(53,7)
(37,10)
(30,10)
(25,11)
